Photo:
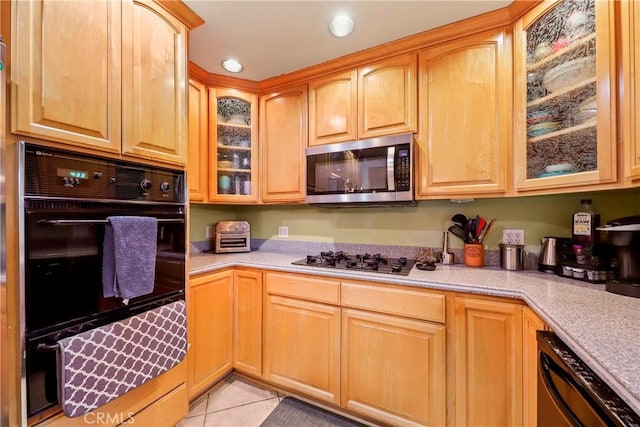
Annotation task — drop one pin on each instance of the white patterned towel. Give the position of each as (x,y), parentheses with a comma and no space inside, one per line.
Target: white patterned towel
(104,363)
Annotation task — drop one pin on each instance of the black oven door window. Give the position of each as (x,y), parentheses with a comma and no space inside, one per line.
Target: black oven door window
(63,274)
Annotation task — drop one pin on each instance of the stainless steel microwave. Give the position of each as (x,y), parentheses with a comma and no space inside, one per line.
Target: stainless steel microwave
(368,171)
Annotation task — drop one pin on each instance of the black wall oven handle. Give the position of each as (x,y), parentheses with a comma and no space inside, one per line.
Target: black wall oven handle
(96,221)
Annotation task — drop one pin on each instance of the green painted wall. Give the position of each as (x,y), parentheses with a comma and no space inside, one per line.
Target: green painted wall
(422,225)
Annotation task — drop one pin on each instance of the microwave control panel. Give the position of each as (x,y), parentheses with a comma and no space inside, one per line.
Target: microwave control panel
(403,168)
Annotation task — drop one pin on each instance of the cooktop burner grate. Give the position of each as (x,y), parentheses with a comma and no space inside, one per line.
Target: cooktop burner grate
(364,262)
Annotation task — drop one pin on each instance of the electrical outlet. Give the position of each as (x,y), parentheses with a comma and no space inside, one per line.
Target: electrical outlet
(283,231)
(209,232)
(513,237)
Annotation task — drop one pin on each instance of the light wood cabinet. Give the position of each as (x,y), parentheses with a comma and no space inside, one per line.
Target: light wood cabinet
(530,324)
(233,146)
(116,83)
(283,136)
(393,354)
(302,337)
(209,328)
(564,109)
(373,100)
(630,87)
(488,362)
(333,106)
(247,321)
(67,77)
(465,105)
(387,92)
(198,142)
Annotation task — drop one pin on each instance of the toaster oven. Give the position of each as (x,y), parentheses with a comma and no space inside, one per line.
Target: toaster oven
(232,236)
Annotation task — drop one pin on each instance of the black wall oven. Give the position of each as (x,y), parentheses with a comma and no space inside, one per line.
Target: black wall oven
(66,200)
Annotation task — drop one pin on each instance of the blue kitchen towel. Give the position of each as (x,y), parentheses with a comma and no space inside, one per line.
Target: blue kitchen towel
(129,256)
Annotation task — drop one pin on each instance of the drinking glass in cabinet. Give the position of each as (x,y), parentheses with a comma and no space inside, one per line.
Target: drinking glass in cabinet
(561,90)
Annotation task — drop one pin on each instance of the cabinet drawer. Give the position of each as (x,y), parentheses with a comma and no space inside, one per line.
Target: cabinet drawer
(403,302)
(169,410)
(303,287)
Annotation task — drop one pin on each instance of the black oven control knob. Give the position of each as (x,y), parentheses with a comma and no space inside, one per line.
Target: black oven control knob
(145,184)
(165,187)
(112,180)
(97,175)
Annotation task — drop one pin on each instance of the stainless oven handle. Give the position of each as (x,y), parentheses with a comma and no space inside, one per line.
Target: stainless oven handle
(44,348)
(95,221)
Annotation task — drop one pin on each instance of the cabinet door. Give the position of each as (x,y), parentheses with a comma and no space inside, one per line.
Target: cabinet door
(333,108)
(198,142)
(387,93)
(154,90)
(393,369)
(488,362)
(283,137)
(564,109)
(530,324)
(302,347)
(209,323)
(233,146)
(630,96)
(65,72)
(464,117)
(247,322)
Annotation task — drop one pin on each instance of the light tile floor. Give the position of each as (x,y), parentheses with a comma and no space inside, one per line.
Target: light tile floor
(234,402)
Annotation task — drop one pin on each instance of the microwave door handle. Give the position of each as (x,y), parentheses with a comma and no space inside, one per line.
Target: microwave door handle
(391,176)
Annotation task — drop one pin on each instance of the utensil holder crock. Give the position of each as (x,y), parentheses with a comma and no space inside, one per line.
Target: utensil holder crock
(473,254)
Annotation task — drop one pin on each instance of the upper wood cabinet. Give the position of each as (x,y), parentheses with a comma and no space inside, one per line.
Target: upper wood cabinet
(233,146)
(564,96)
(488,362)
(333,108)
(373,100)
(630,87)
(198,142)
(283,136)
(108,75)
(464,105)
(387,92)
(66,72)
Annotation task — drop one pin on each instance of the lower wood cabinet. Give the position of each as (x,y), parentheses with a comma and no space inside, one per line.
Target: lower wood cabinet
(209,329)
(302,337)
(531,323)
(393,368)
(488,362)
(247,321)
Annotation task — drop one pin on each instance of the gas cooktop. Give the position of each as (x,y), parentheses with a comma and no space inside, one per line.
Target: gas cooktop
(365,262)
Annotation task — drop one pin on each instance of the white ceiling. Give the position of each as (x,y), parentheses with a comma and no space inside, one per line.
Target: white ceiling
(271,38)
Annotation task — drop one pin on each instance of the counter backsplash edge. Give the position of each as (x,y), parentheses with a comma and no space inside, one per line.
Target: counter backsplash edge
(491,256)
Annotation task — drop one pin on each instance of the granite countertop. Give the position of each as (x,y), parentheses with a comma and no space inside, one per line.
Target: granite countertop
(600,327)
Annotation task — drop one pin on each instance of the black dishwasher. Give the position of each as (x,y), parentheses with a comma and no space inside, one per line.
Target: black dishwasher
(571,394)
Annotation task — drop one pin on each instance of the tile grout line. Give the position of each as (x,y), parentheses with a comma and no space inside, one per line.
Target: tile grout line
(244,404)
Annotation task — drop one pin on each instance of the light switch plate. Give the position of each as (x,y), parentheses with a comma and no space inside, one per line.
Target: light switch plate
(513,237)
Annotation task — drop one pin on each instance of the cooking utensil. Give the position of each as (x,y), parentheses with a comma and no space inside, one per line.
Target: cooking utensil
(482,223)
(459,232)
(459,219)
(486,231)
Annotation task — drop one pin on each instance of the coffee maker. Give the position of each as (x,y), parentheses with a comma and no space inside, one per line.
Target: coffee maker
(623,234)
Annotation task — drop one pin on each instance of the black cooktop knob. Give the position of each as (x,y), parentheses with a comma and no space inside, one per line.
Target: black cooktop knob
(97,175)
(112,180)
(145,184)
(165,187)
(396,268)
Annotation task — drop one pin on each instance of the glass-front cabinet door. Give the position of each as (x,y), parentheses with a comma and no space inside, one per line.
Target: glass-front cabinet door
(564,96)
(233,158)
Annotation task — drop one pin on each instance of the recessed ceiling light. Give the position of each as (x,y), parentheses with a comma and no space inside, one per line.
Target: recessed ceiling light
(231,65)
(341,25)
